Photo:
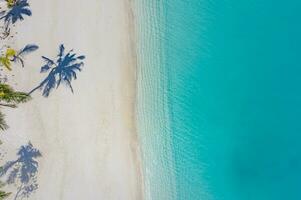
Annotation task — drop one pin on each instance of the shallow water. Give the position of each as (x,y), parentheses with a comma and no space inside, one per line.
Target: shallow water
(231,88)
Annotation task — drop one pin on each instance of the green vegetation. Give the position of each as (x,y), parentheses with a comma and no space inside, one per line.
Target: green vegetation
(3,195)
(5,60)
(61,70)
(10,98)
(10,3)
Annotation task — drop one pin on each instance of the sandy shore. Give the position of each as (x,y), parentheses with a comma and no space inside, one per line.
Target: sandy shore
(88,139)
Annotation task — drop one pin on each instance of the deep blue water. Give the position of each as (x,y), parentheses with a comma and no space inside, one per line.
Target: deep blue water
(234,97)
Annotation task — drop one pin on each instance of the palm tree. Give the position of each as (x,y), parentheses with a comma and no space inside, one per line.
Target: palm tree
(12,55)
(5,60)
(23,170)
(62,70)
(10,98)
(17,9)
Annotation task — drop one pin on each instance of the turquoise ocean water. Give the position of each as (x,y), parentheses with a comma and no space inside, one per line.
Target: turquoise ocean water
(219,99)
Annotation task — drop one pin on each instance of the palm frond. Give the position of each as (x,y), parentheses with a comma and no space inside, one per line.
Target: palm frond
(13,176)
(69,74)
(28,151)
(67,81)
(18,60)
(6,167)
(28,49)
(81,57)
(4,195)
(49,85)
(3,124)
(61,50)
(8,95)
(45,68)
(17,11)
(2,13)
(4,61)
(48,61)
(77,66)
(61,53)
(12,56)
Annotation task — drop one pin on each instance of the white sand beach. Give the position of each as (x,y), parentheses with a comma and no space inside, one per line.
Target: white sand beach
(88,139)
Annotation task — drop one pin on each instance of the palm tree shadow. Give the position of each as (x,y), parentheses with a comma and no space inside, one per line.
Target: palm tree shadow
(26,50)
(22,171)
(61,70)
(15,12)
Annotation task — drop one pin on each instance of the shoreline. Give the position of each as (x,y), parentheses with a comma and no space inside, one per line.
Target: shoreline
(154,117)
(88,139)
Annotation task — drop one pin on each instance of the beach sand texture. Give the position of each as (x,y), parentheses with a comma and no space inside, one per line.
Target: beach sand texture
(88,139)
